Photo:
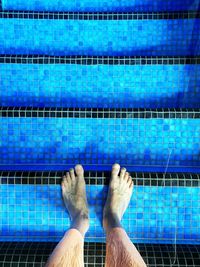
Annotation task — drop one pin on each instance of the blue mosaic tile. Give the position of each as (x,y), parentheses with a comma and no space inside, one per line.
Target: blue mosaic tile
(100,86)
(54,143)
(98,5)
(178,37)
(155,214)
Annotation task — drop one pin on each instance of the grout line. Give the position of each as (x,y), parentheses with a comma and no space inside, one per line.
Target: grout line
(99,60)
(103,113)
(101,178)
(99,15)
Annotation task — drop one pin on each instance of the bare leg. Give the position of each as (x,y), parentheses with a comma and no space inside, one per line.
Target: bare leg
(69,251)
(120,251)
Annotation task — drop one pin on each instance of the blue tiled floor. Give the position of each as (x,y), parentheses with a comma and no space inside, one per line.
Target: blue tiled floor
(55,142)
(177,37)
(100,86)
(98,5)
(36,213)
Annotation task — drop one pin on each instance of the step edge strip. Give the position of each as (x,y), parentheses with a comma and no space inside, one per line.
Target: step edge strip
(96,60)
(103,113)
(9,14)
(100,178)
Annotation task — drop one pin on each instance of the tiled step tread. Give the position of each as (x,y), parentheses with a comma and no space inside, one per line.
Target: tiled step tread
(100,86)
(156,214)
(104,38)
(97,5)
(50,143)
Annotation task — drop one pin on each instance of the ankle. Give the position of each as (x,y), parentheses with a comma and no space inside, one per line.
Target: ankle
(82,215)
(110,220)
(81,223)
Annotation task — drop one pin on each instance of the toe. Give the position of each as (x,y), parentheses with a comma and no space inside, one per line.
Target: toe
(131,184)
(63,185)
(129,180)
(126,176)
(122,173)
(79,170)
(64,180)
(67,178)
(72,174)
(115,169)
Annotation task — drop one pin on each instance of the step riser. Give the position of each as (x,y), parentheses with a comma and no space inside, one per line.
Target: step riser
(108,38)
(100,86)
(137,142)
(97,5)
(36,213)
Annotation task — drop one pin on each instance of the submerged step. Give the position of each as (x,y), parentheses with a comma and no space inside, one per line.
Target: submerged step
(98,5)
(140,143)
(100,86)
(177,37)
(156,214)
(38,253)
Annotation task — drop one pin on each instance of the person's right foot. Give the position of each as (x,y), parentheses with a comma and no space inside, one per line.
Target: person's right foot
(119,195)
(74,196)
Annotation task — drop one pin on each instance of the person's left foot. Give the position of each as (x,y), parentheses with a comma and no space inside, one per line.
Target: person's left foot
(74,195)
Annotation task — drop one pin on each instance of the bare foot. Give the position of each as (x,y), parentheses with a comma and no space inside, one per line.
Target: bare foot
(119,195)
(74,196)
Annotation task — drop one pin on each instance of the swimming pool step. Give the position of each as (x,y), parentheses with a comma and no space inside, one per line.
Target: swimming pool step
(175,37)
(140,140)
(36,254)
(32,208)
(92,83)
(101,6)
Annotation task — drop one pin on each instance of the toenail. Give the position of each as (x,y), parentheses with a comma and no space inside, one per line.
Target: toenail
(71,169)
(116,165)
